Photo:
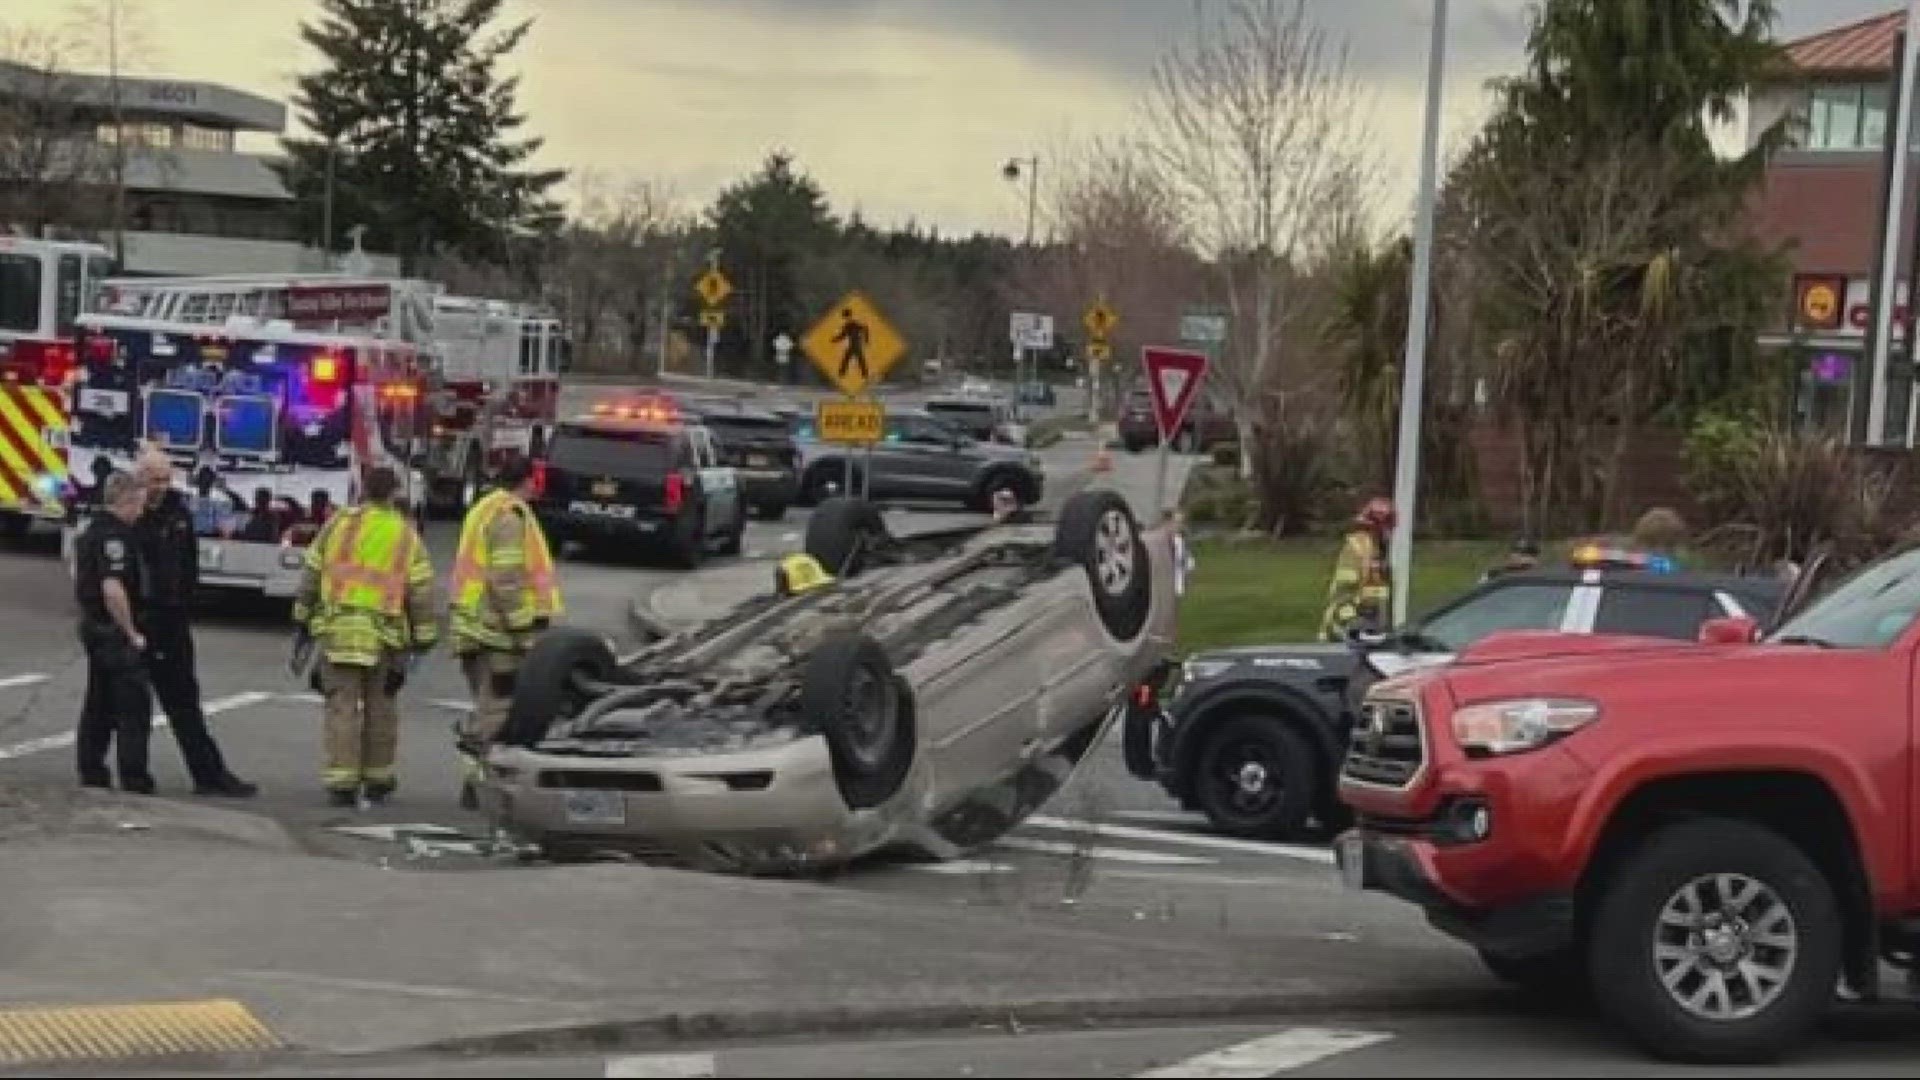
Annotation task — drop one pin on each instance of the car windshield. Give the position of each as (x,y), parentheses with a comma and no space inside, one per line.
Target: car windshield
(1870,611)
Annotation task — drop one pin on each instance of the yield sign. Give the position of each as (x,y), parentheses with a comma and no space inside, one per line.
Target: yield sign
(1173,378)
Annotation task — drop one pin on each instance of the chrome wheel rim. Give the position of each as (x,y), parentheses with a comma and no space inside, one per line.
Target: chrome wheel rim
(1113,553)
(1725,947)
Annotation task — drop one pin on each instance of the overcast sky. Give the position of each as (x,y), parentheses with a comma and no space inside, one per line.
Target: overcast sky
(902,108)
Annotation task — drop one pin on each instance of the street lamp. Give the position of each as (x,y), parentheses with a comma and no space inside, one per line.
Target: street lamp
(1011,170)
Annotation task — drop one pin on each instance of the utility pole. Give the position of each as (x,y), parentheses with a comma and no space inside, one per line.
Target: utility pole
(1884,279)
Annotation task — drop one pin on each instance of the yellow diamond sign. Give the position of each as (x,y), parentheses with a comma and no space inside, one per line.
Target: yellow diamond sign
(1100,320)
(713,287)
(853,345)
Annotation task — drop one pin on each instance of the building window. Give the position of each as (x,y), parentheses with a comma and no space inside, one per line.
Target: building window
(195,137)
(157,136)
(1834,122)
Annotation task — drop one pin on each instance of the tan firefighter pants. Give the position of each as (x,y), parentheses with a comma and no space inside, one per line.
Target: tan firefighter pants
(490,677)
(363,726)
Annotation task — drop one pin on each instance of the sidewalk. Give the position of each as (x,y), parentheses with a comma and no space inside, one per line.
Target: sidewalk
(342,956)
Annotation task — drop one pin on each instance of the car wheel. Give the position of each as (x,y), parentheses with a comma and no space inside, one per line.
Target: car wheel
(548,687)
(1136,742)
(824,480)
(999,478)
(1098,531)
(1186,442)
(1560,975)
(1254,778)
(841,534)
(690,547)
(849,692)
(1134,446)
(1719,942)
(736,539)
(772,511)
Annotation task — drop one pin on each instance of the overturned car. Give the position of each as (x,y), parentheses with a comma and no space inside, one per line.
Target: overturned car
(935,693)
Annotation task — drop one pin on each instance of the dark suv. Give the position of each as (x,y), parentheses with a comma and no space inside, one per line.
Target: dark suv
(616,481)
(759,447)
(1253,737)
(921,458)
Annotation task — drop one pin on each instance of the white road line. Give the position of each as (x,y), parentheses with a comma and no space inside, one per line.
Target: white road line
(963,866)
(1288,1050)
(31,679)
(1128,855)
(453,706)
(65,739)
(662,1065)
(1222,843)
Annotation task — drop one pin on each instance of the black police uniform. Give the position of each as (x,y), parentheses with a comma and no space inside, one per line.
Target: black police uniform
(117,711)
(170,553)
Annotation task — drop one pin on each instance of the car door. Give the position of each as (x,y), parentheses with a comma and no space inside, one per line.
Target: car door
(720,483)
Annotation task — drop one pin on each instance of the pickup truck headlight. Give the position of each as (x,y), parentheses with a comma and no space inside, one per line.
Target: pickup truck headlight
(1520,724)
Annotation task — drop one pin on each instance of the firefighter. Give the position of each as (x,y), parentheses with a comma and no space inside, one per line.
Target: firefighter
(1361,586)
(367,600)
(110,584)
(503,593)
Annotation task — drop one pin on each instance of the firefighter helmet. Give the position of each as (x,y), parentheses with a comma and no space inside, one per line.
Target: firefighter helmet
(1378,514)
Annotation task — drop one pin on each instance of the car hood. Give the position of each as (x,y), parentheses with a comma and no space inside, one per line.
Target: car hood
(1514,645)
(1316,657)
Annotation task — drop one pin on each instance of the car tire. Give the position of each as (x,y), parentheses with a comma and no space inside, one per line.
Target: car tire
(1134,446)
(821,480)
(1254,777)
(771,511)
(851,695)
(1186,442)
(547,687)
(690,548)
(1557,976)
(842,533)
(1098,530)
(1789,918)
(736,540)
(1136,742)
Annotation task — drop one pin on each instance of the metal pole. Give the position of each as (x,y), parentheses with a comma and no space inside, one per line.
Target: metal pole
(1890,238)
(1033,193)
(1406,480)
(713,342)
(1160,483)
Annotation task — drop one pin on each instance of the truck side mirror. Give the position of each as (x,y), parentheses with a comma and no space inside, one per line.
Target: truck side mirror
(1732,630)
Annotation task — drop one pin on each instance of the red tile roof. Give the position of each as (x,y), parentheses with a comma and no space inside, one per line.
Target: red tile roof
(1858,48)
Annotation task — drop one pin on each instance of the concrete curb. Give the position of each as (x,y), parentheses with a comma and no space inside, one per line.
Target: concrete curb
(678,1028)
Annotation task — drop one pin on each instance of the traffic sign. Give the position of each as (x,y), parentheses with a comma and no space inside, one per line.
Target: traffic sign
(856,422)
(713,287)
(713,318)
(782,345)
(1203,328)
(1099,351)
(1031,331)
(1173,378)
(1100,320)
(853,345)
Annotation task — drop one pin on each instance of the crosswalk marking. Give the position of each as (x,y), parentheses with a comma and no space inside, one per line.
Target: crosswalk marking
(34,678)
(662,1065)
(65,739)
(1166,836)
(1284,1051)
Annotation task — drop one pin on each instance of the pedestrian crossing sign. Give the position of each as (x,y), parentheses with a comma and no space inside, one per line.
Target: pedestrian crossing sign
(853,345)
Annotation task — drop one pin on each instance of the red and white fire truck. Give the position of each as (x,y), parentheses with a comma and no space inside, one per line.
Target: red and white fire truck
(493,369)
(45,285)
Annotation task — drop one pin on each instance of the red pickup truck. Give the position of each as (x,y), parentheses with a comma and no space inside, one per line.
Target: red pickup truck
(1718,840)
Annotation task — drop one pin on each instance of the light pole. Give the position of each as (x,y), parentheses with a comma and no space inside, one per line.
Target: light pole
(1031,166)
(1406,473)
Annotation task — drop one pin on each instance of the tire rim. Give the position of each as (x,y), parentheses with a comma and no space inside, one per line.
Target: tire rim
(1725,947)
(1113,553)
(1246,774)
(870,720)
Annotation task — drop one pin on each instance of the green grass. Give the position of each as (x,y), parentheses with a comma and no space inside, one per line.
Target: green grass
(1255,591)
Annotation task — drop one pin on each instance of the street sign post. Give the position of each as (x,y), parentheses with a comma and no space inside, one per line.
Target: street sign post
(713,319)
(713,289)
(783,350)
(854,346)
(851,422)
(1203,328)
(1173,381)
(1028,331)
(1099,319)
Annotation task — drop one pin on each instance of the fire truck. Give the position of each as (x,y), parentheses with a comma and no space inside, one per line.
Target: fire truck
(45,285)
(269,423)
(492,369)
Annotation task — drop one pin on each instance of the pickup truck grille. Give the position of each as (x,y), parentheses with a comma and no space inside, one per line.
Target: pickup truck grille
(1387,747)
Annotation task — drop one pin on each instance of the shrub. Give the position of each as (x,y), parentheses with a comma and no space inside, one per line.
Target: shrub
(1786,494)
(1716,449)
(1300,476)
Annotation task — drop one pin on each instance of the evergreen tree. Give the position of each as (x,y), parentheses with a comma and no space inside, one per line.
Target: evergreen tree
(421,129)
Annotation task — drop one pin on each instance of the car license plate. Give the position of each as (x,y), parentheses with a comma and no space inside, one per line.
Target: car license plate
(758,461)
(1351,855)
(209,556)
(595,808)
(606,489)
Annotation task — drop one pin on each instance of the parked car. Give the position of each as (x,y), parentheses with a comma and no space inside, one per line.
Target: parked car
(759,446)
(640,474)
(987,419)
(1205,427)
(1253,737)
(930,698)
(922,458)
(1716,841)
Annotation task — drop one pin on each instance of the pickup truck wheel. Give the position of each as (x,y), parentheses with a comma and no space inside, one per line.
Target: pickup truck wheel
(1098,531)
(547,688)
(841,534)
(850,692)
(1719,942)
(1254,778)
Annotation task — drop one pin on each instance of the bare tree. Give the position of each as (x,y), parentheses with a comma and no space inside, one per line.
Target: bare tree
(1261,131)
(110,33)
(53,173)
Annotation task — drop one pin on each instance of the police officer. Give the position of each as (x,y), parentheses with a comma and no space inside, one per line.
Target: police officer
(110,584)
(170,552)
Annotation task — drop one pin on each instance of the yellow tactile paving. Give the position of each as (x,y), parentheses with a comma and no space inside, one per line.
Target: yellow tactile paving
(147,1029)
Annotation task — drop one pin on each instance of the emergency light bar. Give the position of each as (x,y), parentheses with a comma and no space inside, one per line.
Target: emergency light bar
(646,410)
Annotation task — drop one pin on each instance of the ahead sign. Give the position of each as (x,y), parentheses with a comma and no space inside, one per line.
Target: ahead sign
(1173,378)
